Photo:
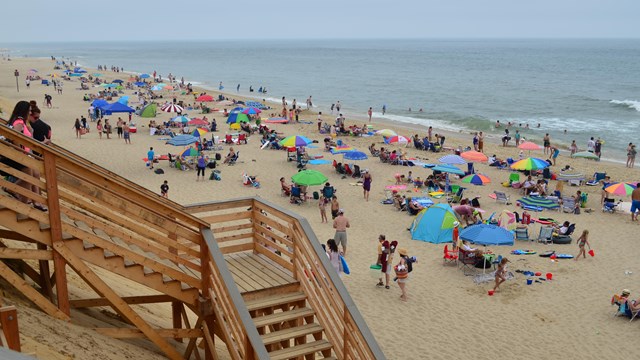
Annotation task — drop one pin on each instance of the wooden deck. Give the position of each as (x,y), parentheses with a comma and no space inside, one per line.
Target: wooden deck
(254,272)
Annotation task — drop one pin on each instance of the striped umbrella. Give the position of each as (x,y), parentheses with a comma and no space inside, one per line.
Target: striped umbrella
(251,111)
(172,108)
(399,139)
(295,141)
(183,119)
(536,202)
(530,164)
(199,132)
(476,179)
(620,189)
(452,159)
(474,156)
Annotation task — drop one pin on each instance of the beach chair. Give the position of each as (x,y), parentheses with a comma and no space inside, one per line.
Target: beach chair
(546,232)
(458,195)
(623,308)
(609,206)
(502,197)
(467,261)
(228,139)
(296,195)
(347,170)
(292,154)
(450,257)
(234,159)
(522,233)
(248,180)
(242,138)
(597,176)
(356,172)
(568,205)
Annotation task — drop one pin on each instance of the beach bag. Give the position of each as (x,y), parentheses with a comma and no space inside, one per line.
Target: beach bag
(158,171)
(218,156)
(402,271)
(215,175)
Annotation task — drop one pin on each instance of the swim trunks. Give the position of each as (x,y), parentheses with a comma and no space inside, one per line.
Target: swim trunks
(635,206)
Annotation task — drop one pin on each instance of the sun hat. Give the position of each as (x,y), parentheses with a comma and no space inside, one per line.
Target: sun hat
(455,223)
(402,251)
(341,211)
(626,292)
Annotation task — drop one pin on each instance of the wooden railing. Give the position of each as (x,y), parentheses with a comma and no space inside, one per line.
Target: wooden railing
(287,239)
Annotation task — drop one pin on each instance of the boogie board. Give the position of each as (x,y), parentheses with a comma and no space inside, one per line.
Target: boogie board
(345,266)
(547,253)
(564,256)
(523,252)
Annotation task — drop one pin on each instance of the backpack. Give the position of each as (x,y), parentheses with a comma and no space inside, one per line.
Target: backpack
(409,262)
(215,175)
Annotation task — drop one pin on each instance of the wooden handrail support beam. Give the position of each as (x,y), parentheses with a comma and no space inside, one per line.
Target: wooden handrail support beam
(131,300)
(9,325)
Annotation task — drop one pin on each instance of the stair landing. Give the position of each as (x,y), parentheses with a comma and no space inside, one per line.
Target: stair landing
(253,272)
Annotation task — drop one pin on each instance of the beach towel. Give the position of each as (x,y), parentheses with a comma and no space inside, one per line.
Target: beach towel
(345,266)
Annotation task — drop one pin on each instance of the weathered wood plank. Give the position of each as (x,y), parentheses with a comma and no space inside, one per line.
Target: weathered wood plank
(127,333)
(131,300)
(12,253)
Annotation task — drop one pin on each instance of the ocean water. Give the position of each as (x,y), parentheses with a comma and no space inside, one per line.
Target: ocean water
(586,87)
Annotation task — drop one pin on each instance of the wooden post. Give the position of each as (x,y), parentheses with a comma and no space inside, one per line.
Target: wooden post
(45,275)
(53,203)
(176,311)
(9,324)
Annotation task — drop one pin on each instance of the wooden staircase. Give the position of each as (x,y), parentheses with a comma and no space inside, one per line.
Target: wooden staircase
(288,327)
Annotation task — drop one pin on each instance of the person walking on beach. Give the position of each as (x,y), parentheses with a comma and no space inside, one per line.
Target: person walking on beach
(78,126)
(386,250)
(546,141)
(334,256)
(107,128)
(341,223)
(384,109)
(517,137)
(554,152)
(635,202)
(582,241)
(150,157)
(126,129)
(370,113)
(402,270)
(366,184)
(598,148)
(631,155)
(573,147)
(164,189)
(99,128)
(501,273)
(322,205)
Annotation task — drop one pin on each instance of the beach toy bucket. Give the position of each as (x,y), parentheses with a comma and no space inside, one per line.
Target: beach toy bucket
(490,292)
(592,253)
(529,281)
(549,276)
(374,271)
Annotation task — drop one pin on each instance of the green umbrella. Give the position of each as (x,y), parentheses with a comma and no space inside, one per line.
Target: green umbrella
(309,178)
(585,155)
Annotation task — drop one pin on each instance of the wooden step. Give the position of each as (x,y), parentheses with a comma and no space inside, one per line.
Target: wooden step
(275,300)
(283,316)
(291,333)
(300,350)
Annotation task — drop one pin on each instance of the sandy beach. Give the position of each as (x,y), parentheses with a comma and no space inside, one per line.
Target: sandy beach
(446,316)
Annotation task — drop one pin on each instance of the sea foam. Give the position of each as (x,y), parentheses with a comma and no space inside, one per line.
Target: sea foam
(631,104)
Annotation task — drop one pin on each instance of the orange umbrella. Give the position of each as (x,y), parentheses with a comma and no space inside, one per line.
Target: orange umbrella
(474,156)
(528,145)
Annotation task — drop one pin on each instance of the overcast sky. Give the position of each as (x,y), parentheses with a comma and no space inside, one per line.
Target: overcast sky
(75,20)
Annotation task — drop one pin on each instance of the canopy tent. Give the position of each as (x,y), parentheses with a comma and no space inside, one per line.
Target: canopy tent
(434,224)
(149,110)
(99,103)
(117,107)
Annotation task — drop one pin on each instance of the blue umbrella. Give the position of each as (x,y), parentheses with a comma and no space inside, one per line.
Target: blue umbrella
(124,99)
(448,169)
(486,234)
(145,76)
(79,70)
(140,83)
(75,74)
(99,103)
(355,155)
(239,108)
(117,81)
(452,159)
(182,140)
(183,119)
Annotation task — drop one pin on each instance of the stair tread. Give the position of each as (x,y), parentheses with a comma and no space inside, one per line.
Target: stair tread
(291,333)
(274,300)
(299,350)
(283,316)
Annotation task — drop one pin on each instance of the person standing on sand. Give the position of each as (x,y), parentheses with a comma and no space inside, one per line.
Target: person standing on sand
(341,223)
(402,271)
(582,241)
(481,142)
(573,147)
(202,165)
(366,184)
(335,206)
(119,127)
(370,113)
(546,141)
(99,128)
(322,205)
(150,157)
(430,133)
(78,126)
(631,155)
(126,129)
(635,203)
(517,137)
(164,189)
(386,250)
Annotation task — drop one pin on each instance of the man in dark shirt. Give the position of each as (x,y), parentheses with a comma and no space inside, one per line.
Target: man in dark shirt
(41,130)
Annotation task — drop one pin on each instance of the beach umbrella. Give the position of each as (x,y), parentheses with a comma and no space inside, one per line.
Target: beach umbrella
(182,140)
(537,202)
(199,132)
(476,179)
(487,234)
(157,88)
(355,155)
(75,74)
(474,156)
(528,145)
(449,169)
(585,155)
(183,119)
(452,159)
(204,98)
(172,108)
(190,152)
(398,139)
(140,83)
(309,178)
(386,132)
(109,85)
(621,189)
(295,141)
(197,122)
(251,111)
(118,81)
(530,164)
(145,76)
(97,74)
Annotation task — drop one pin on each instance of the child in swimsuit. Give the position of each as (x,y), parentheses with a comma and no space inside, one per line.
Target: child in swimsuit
(582,241)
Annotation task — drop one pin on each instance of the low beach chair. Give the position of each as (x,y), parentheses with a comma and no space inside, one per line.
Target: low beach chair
(234,159)
(502,197)
(522,233)
(450,257)
(568,205)
(597,176)
(546,232)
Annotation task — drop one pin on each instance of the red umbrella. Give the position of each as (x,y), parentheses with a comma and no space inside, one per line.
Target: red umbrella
(528,145)
(172,108)
(204,98)
(197,122)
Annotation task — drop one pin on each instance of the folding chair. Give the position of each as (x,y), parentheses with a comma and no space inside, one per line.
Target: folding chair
(450,257)
(522,233)
(242,138)
(233,160)
(228,139)
(546,232)
(502,197)
(568,205)
(467,261)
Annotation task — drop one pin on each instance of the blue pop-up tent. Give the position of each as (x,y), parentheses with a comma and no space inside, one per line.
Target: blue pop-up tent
(434,224)
(116,107)
(99,103)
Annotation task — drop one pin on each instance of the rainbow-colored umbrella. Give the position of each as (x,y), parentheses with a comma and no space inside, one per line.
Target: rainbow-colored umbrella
(620,189)
(199,132)
(190,152)
(476,179)
(530,164)
(295,141)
